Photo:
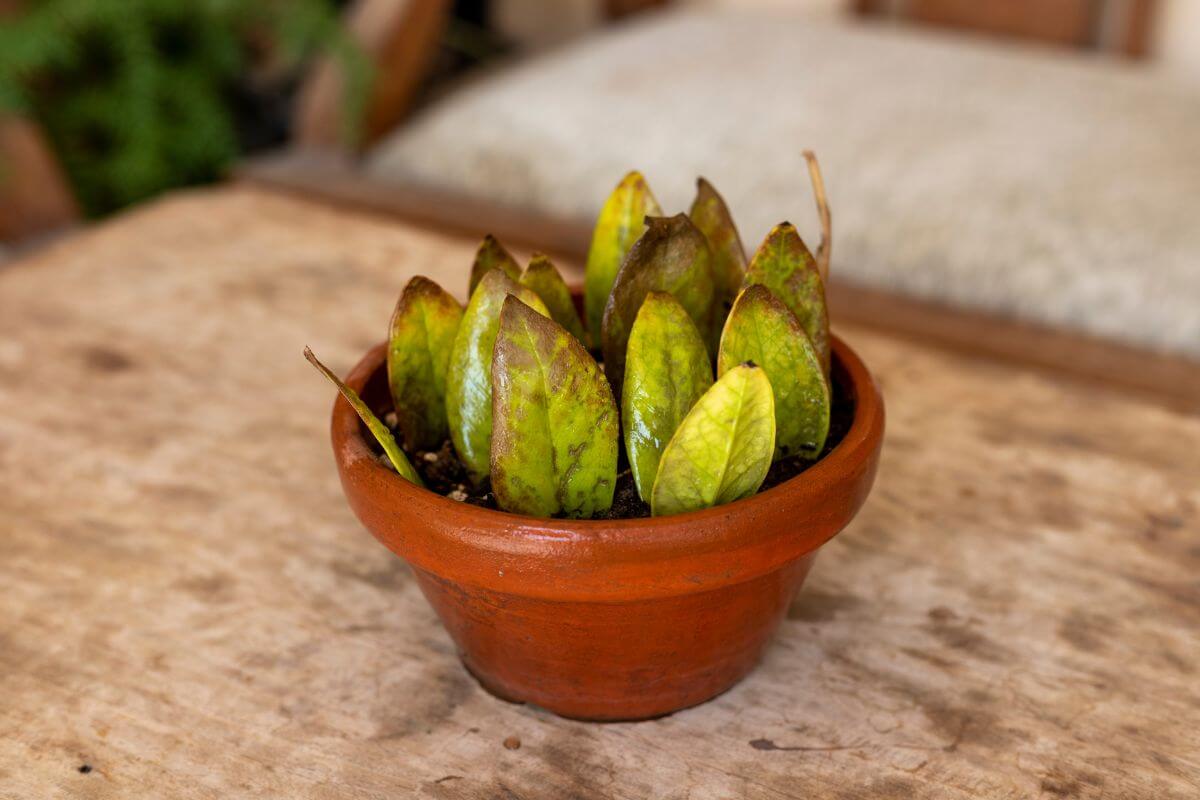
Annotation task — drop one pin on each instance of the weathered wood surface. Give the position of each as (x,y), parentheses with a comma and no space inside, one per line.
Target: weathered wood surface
(188,608)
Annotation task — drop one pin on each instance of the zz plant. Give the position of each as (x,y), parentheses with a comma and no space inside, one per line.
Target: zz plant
(712,367)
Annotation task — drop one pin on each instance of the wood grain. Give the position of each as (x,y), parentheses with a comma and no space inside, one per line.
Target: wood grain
(190,611)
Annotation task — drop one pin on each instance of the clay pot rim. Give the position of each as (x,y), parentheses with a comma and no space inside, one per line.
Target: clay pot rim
(856,447)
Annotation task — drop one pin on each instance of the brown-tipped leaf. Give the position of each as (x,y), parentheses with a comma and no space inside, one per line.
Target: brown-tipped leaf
(420,337)
(712,217)
(672,256)
(722,449)
(784,265)
(762,330)
(469,378)
(492,255)
(554,443)
(373,423)
(620,224)
(544,278)
(666,371)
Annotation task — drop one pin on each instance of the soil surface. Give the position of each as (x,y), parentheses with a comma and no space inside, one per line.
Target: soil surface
(445,474)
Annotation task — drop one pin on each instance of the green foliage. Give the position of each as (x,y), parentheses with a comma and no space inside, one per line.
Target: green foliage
(762,330)
(785,266)
(666,371)
(672,256)
(527,406)
(492,255)
(711,216)
(544,278)
(620,224)
(554,444)
(469,380)
(722,449)
(137,96)
(380,431)
(419,340)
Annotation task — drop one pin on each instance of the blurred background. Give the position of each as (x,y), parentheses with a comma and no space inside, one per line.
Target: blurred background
(1037,160)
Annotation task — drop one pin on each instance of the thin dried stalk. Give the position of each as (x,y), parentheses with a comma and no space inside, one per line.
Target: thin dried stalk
(818,185)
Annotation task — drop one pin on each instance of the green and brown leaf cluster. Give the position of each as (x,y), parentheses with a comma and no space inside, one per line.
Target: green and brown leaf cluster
(712,365)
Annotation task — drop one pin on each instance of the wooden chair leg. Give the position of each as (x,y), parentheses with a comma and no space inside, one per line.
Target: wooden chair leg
(35,198)
(399,38)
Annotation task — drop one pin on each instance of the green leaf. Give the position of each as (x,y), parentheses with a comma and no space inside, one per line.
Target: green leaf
(544,278)
(620,224)
(469,380)
(419,340)
(554,450)
(666,371)
(712,217)
(785,266)
(373,423)
(760,329)
(671,257)
(492,255)
(722,450)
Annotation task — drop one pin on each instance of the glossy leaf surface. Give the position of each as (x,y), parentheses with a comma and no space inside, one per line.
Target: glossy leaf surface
(723,447)
(621,223)
(554,444)
(672,256)
(785,266)
(420,338)
(469,379)
(544,278)
(666,371)
(492,255)
(711,216)
(373,423)
(762,330)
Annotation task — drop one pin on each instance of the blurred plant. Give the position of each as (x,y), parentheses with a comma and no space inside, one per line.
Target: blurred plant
(137,96)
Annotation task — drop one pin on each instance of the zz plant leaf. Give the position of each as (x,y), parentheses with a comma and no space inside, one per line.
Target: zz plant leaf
(373,423)
(711,216)
(784,265)
(544,278)
(469,380)
(554,444)
(672,256)
(666,372)
(620,224)
(762,330)
(419,339)
(492,255)
(722,449)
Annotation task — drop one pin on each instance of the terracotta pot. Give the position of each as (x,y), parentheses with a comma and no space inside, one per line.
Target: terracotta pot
(613,619)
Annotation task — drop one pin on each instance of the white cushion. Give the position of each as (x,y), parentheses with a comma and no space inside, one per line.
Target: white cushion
(1046,185)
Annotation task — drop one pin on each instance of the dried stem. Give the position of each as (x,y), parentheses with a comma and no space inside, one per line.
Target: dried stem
(818,185)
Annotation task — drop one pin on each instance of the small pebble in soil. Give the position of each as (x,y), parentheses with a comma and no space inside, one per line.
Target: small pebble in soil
(512,743)
(85,768)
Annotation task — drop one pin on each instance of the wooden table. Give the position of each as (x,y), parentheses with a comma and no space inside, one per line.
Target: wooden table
(188,609)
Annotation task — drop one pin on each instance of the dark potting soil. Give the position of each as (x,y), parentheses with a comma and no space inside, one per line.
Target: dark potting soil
(445,474)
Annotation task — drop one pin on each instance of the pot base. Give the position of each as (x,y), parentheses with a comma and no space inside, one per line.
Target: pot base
(614,661)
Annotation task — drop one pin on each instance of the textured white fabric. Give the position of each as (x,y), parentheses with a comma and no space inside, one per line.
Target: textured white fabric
(1049,186)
